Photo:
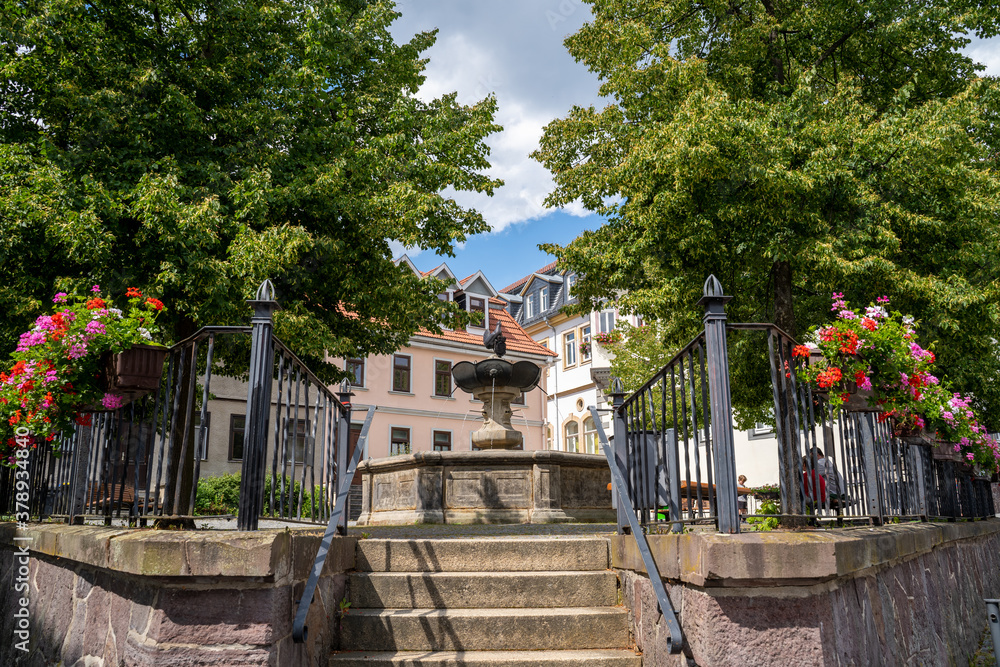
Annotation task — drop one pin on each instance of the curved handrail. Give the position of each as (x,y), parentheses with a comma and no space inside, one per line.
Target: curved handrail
(299,629)
(675,641)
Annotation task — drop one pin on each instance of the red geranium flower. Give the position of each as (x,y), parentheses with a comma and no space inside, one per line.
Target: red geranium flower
(155,303)
(133,292)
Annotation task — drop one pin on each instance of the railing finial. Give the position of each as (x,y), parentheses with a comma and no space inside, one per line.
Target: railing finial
(264,304)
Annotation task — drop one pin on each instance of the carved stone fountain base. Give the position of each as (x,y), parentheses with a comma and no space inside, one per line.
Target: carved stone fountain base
(498,486)
(497,432)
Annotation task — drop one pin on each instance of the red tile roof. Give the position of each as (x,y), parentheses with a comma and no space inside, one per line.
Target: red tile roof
(466,279)
(515,285)
(517,339)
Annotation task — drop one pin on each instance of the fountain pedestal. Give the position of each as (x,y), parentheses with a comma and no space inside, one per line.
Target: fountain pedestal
(497,433)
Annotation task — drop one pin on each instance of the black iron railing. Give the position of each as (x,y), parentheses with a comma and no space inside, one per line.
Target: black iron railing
(673,441)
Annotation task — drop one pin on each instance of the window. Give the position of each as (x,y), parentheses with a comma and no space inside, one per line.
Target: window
(237,429)
(295,438)
(761,431)
(401,373)
(442,441)
(569,349)
(548,437)
(399,442)
(442,378)
(208,433)
(519,400)
(572,436)
(530,307)
(606,321)
(477,305)
(543,299)
(570,280)
(585,347)
(356,367)
(589,435)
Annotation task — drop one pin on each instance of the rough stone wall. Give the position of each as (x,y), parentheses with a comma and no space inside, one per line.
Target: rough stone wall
(88,616)
(927,610)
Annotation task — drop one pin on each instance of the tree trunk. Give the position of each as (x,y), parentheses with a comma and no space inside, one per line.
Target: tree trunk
(781,280)
(784,317)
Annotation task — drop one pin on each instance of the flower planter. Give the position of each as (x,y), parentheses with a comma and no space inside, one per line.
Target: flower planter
(137,370)
(860,400)
(944,451)
(131,373)
(911,435)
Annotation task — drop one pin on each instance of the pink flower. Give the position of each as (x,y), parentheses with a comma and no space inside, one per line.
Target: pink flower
(112,402)
(95,288)
(847,315)
(882,299)
(60,297)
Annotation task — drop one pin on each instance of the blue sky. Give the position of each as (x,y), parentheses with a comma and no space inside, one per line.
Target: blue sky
(514,49)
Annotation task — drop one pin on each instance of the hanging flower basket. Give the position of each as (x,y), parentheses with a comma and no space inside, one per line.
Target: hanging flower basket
(86,356)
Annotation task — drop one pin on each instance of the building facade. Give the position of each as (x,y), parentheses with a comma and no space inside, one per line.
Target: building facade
(578,377)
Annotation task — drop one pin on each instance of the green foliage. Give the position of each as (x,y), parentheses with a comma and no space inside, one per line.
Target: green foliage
(765,523)
(193,149)
(221,495)
(793,150)
(218,495)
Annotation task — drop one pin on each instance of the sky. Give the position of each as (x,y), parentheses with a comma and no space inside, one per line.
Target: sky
(514,49)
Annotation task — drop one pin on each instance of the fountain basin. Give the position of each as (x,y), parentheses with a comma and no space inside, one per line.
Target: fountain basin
(496,486)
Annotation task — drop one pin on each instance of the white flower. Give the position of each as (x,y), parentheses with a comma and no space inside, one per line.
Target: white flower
(145,334)
(812,346)
(116,312)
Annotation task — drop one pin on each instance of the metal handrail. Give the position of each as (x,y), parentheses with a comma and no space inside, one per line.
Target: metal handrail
(299,629)
(675,641)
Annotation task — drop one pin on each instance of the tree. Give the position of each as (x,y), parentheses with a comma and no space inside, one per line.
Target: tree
(793,149)
(194,148)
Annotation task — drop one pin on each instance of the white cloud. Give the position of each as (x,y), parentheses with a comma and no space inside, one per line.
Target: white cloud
(519,58)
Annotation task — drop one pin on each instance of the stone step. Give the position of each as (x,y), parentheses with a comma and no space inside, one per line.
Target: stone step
(593,658)
(476,555)
(484,629)
(406,590)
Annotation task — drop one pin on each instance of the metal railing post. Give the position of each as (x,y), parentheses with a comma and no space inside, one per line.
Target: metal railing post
(720,400)
(343,442)
(993,618)
(258,407)
(620,448)
(867,429)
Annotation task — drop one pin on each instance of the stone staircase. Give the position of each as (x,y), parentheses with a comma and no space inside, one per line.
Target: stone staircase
(525,601)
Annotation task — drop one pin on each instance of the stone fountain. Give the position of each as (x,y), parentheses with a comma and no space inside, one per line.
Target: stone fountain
(496,382)
(497,484)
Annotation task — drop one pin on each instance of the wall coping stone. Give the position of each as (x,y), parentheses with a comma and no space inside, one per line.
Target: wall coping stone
(275,555)
(484,458)
(790,558)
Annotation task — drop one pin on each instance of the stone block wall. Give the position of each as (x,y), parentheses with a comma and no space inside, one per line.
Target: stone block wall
(109,598)
(899,595)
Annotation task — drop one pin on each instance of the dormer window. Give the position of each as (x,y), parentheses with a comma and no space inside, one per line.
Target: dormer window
(531,306)
(570,279)
(543,299)
(477,309)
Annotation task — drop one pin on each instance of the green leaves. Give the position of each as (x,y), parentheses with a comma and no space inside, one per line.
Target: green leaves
(852,144)
(198,148)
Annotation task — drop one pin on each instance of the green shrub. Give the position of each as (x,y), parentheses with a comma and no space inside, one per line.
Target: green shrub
(218,495)
(221,495)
